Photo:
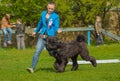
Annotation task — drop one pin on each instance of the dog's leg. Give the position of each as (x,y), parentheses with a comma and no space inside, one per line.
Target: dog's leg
(57,64)
(93,61)
(63,64)
(75,64)
(85,55)
(60,65)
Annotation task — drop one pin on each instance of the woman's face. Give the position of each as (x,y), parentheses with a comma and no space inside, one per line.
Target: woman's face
(98,18)
(50,8)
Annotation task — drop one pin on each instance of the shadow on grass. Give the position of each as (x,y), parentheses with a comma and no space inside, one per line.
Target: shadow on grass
(46,69)
(52,70)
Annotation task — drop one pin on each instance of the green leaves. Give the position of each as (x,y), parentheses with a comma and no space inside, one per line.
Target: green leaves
(70,11)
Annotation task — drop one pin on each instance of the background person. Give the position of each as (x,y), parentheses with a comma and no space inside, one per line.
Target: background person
(20,34)
(48,25)
(6,28)
(98,29)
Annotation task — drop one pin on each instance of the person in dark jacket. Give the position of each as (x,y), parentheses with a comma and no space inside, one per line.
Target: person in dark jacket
(20,34)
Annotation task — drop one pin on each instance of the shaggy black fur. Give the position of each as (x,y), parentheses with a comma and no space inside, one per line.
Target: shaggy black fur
(62,51)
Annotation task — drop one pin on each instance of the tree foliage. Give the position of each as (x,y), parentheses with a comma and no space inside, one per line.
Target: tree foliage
(28,10)
(70,11)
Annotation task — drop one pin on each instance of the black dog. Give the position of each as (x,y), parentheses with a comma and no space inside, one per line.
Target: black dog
(62,51)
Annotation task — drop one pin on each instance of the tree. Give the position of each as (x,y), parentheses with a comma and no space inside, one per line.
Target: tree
(80,12)
(87,9)
(28,10)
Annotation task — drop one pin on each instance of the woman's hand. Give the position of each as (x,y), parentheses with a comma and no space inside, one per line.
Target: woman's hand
(59,31)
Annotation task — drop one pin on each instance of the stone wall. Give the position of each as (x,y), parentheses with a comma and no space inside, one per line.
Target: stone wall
(113,22)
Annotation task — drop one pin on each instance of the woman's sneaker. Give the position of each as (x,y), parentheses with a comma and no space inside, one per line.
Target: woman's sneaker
(30,70)
(9,42)
(4,44)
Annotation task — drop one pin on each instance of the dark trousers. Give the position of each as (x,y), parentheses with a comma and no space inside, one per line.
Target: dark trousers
(99,39)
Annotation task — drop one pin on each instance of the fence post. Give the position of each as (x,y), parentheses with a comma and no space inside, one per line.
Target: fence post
(88,37)
(0,44)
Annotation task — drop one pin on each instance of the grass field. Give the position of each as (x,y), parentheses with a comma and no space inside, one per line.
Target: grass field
(13,64)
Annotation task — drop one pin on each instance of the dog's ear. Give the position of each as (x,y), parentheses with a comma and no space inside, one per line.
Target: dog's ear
(80,38)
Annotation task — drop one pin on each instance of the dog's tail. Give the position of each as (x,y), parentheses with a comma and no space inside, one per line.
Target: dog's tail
(80,38)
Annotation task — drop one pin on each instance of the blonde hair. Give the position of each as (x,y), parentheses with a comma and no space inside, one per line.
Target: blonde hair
(19,20)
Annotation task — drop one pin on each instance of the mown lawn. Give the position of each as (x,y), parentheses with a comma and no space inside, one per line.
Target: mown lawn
(13,64)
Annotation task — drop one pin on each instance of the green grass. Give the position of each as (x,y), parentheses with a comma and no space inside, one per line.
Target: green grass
(13,64)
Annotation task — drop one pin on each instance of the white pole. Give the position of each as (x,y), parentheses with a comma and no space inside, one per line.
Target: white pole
(98,61)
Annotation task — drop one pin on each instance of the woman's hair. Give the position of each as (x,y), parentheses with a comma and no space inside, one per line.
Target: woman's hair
(19,20)
(7,17)
(51,2)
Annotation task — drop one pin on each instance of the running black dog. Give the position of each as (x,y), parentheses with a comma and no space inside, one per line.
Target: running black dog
(62,51)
